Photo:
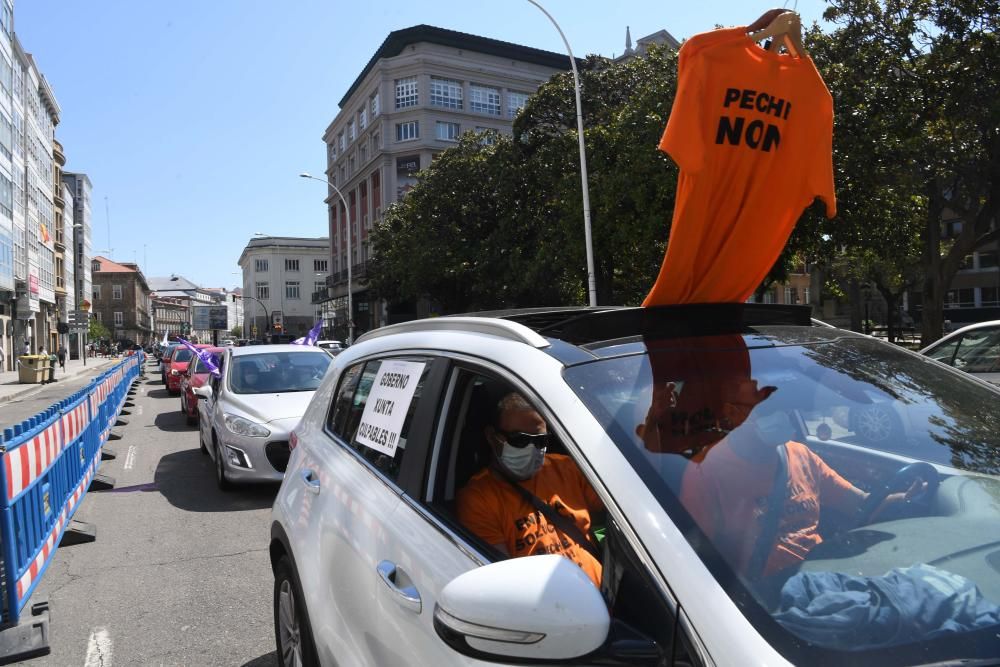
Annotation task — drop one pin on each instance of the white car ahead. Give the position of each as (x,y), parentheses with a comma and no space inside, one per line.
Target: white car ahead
(707,557)
(247,413)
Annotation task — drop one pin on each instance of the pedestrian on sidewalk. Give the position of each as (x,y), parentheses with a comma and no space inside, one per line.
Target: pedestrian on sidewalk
(62,357)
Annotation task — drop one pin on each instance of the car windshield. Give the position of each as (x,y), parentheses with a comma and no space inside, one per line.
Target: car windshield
(182,355)
(844,492)
(277,372)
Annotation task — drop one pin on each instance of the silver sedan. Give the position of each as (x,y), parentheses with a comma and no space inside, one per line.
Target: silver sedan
(249,410)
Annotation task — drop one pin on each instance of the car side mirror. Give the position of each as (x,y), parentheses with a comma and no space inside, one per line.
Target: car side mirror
(205,391)
(535,608)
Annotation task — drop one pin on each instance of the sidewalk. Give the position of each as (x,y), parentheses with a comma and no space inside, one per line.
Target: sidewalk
(10,388)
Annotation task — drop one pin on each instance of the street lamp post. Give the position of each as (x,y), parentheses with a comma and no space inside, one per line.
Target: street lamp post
(350,258)
(591,280)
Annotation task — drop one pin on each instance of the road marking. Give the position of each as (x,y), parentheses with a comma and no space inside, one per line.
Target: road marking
(139,409)
(130,457)
(98,649)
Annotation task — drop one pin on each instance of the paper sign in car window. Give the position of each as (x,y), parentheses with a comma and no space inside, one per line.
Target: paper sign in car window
(388,403)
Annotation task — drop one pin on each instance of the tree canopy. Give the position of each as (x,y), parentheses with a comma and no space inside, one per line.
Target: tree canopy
(498,222)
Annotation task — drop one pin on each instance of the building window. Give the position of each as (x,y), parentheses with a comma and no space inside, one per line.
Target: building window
(987,259)
(407,131)
(515,102)
(292,289)
(320,265)
(260,265)
(376,141)
(119,318)
(116,292)
(988,296)
(446,93)
(332,149)
(97,292)
(374,104)
(447,131)
(791,295)
(319,286)
(99,317)
(341,143)
(350,131)
(406,92)
(484,99)
(263,291)
(291,265)
(362,118)
(95,266)
(805,295)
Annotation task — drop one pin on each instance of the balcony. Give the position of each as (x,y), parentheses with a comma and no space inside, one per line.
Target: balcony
(321,296)
(337,277)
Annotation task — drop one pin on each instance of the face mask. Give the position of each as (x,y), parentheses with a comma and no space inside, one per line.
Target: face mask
(773,429)
(522,462)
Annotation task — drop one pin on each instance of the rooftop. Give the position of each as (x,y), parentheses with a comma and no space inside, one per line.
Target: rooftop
(400,39)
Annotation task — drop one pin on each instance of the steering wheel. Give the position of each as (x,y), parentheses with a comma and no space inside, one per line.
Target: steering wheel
(900,481)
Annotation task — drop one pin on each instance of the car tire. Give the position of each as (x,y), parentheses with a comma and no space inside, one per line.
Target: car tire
(292,633)
(220,469)
(875,424)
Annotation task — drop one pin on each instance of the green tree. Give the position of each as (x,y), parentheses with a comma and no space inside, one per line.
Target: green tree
(96,330)
(497,222)
(237,332)
(919,101)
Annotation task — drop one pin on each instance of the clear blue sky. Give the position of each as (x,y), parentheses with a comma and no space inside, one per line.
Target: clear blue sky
(194,117)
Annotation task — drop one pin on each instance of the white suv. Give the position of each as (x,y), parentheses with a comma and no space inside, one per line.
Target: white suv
(372,565)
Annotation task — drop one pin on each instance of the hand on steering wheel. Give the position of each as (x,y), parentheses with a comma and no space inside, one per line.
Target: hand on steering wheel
(902,480)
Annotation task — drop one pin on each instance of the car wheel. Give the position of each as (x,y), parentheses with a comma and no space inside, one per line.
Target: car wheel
(875,424)
(220,469)
(292,633)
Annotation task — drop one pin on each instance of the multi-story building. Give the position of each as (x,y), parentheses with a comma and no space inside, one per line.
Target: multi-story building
(79,187)
(423,88)
(35,113)
(12,276)
(170,315)
(280,275)
(121,300)
(65,301)
(190,295)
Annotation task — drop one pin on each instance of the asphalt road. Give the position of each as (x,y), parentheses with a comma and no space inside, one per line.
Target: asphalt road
(179,573)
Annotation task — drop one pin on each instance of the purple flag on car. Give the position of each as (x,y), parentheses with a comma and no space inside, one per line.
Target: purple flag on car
(311,337)
(206,358)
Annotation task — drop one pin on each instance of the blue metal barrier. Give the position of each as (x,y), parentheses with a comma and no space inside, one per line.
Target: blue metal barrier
(46,464)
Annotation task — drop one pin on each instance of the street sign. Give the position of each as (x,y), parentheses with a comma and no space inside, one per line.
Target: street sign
(79,316)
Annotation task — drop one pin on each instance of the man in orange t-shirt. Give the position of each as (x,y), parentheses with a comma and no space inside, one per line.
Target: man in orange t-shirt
(728,492)
(752,133)
(495,511)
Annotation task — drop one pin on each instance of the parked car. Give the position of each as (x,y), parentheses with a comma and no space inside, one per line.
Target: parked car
(195,376)
(974,349)
(165,360)
(366,541)
(248,412)
(178,366)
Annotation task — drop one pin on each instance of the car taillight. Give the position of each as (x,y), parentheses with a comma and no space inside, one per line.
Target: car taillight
(293,440)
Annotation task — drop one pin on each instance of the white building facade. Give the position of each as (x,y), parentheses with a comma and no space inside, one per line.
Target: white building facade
(281,275)
(79,187)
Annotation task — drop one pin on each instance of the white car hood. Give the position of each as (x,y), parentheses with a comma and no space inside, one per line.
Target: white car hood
(265,408)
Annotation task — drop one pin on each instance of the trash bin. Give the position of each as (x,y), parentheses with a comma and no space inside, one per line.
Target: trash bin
(32,368)
(53,360)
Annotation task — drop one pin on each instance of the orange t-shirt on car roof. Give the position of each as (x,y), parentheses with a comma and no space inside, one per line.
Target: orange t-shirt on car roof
(752,133)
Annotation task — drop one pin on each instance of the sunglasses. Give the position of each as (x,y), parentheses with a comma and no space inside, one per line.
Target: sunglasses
(520,439)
